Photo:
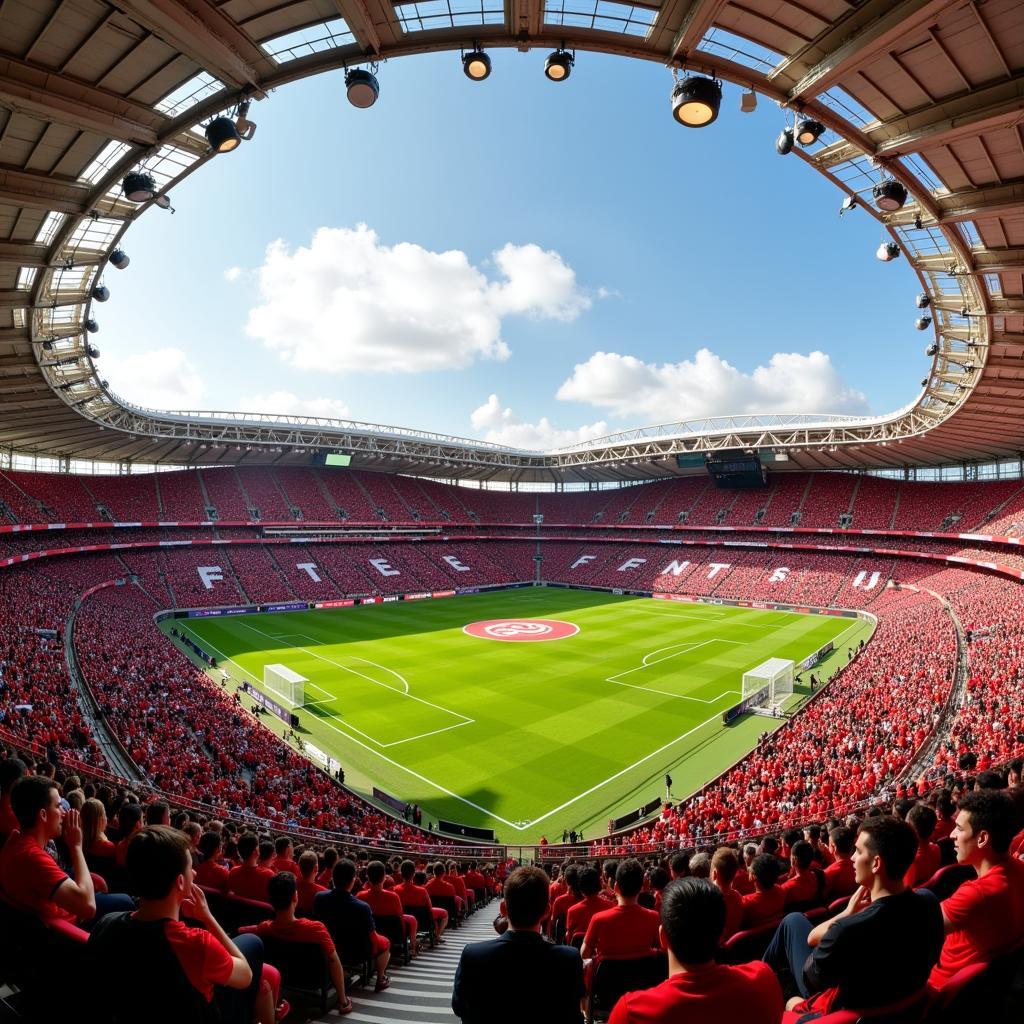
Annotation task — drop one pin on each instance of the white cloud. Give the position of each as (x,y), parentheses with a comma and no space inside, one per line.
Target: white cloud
(232,274)
(163,378)
(348,302)
(707,385)
(501,426)
(289,404)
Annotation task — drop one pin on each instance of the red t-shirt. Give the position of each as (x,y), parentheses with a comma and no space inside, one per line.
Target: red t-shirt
(743,883)
(284,864)
(439,887)
(840,879)
(711,995)
(623,933)
(307,893)
(299,930)
(801,887)
(382,902)
(761,907)
(203,959)
(563,903)
(29,877)
(987,914)
(102,848)
(412,895)
(8,822)
(733,912)
(926,863)
(212,875)
(249,881)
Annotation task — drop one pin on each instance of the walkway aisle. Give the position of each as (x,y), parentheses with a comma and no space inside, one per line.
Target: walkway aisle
(421,993)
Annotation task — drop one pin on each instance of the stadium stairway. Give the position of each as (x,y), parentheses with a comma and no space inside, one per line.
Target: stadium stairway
(421,992)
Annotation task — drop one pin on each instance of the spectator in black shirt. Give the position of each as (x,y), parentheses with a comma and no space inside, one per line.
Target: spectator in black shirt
(877,950)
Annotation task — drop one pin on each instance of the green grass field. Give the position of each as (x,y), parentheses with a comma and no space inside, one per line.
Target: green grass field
(526,738)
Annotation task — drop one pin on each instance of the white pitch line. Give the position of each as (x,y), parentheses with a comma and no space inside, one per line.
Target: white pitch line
(423,735)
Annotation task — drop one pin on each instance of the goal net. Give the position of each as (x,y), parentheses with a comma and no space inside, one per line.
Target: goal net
(769,683)
(286,684)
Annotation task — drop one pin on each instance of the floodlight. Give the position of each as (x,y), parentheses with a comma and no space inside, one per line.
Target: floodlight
(849,203)
(889,195)
(119,259)
(887,252)
(100,292)
(784,143)
(92,351)
(246,128)
(558,65)
(91,326)
(922,323)
(222,135)
(808,131)
(164,202)
(923,301)
(476,65)
(361,88)
(139,187)
(932,349)
(924,382)
(695,101)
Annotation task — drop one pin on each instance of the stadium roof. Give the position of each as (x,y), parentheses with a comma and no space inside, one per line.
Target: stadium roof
(929,92)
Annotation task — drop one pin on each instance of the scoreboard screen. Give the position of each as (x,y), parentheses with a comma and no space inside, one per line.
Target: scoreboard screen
(738,471)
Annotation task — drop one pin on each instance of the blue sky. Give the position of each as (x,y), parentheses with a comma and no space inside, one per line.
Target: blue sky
(566,248)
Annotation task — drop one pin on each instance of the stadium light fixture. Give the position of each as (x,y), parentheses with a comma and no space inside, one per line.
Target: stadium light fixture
(922,323)
(696,101)
(849,203)
(164,202)
(100,292)
(91,326)
(119,259)
(246,129)
(558,65)
(222,135)
(887,252)
(361,87)
(889,195)
(923,301)
(932,349)
(784,143)
(92,351)
(924,382)
(808,131)
(476,65)
(139,187)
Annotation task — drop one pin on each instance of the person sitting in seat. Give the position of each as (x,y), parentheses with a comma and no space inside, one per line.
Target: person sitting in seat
(283,891)
(840,880)
(350,920)
(249,880)
(985,916)
(698,990)
(129,821)
(439,886)
(210,872)
(724,866)
(880,948)
(802,885)
(518,977)
(767,900)
(922,820)
(412,892)
(94,832)
(627,931)
(11,769)
(284,856)
(307,886)
(387,904)
(168,971)
(592,901)
(572,895)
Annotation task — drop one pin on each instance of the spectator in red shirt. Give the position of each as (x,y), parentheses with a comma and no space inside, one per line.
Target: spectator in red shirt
(158,813)
(439,887)
(129,821)
(801,888)
(267,856)
(94,835)
(307,887)
(412,893)
(211,968)
(283,891)
(330,858)
(284,861)
(699,990)
(767,900)
(560,904)
(461,889)
(210,872)
(985,916)
(840,876)
(627,931)
(11,769)
(724,866)
(249,879)
(387,904)
(579,915)
(822,855)
(922,819)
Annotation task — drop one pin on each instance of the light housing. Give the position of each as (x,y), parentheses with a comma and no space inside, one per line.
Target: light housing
(922,323)
(748,102)
(91,326)
(696,101)
(808,131)
(784,143)
(361,87)
(476,65)
(923,301)
(139,187)
(887,252)
(889,195)
(119,259)
(92,351)
(164,202)
(558,65)
(932,349)
(100,292)
(222,135)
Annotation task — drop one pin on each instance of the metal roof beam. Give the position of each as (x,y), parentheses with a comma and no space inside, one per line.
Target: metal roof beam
(852,41)
(967,204)
(25,254)
(52,97)
(205,35)
(360,22)
(697,17)
(15,298)
(997,307)
(1006,259)
(39,191)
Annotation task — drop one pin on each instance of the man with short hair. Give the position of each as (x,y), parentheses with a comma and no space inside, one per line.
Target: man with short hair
(414,895)
(802,885)
(387,903)
(724,866)
(880,947)
(285,856)
(626,931)
(922,819)
(158,813)
(698,990)
(518,976)
(560,904)
(249,880)
(308,887)
(840,880)
(209,872)
(985,916)
(283,892)
(592,901)
(767,901)
(11,769)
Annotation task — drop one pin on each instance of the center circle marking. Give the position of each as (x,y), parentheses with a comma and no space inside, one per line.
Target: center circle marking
(521,630)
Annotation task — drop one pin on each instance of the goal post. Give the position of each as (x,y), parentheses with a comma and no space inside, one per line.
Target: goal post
(281,681)
(768,683)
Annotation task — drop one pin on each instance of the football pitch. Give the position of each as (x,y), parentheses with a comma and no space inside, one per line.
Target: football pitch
(527,738)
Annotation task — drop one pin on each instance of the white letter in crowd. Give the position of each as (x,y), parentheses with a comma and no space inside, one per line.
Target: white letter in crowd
(717,567)
(779,576)
(675,568)
(309,567)
(454,562)
(383,566)
(582,560)
(862,576)
(209,574)
(631,563)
